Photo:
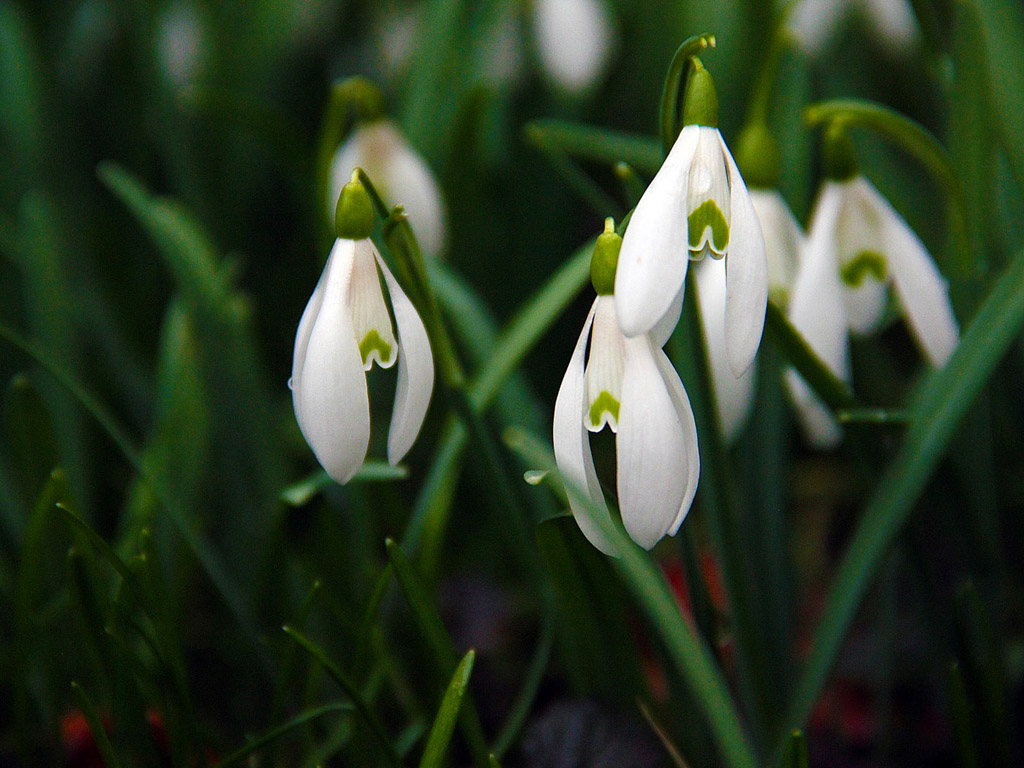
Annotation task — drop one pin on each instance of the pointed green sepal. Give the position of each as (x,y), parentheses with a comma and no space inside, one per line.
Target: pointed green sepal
(757,157)
(605,259)
(604,402)
(705,215)
(353,216)
(701,104)
(839,158)
(860,266)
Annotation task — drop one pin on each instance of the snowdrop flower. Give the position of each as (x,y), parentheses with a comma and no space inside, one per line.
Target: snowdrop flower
(815,21)
(857,247)
(696,206)
(400,175)
(628,385)
(343,331)
(575,40)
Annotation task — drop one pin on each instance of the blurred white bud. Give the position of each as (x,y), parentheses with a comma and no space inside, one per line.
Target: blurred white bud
(575,39)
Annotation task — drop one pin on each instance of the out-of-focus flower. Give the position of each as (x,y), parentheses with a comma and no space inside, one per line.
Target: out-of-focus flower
(696,206)
(814,22)
(629,385)
(575,40)
(402,177)
(343,331)
(783,241)
(858,246)
(181,43)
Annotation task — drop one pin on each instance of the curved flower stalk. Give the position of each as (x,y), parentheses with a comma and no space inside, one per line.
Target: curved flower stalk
(400,175)
(575,40)
(696,206)
(344,329)
(858,246)
(814,22)
(629,386)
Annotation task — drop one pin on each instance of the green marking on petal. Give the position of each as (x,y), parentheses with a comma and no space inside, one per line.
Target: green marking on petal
(860,266)
(373,341)
(705,215)
(604,402)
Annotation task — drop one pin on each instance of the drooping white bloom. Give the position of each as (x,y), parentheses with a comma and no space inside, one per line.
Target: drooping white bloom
(814,22)
(858,246)
(696,206)
(401,175)
(181,43)
(783,241)
(575,40)
(629,385)
(734,395)
(344,329)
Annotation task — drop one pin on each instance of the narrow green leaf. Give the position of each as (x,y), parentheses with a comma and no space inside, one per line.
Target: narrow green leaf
(666,741)
(428,619)
(598,145)
(31,441)
(520,709)
(963,729)
(358,702)
(273,734)
(872,416)
(373,471)
(99,733)
(287,663)
(447,715)
(572,175)
(796,754)
(944,397)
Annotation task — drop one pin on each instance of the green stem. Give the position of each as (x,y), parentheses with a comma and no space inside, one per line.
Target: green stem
(675,80)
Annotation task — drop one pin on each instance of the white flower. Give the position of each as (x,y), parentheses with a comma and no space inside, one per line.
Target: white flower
(814,22)
(400,174)
(783,241)
(857,246)
(696,206)
(734,395)
(344,330)
(629,385)
(574,41)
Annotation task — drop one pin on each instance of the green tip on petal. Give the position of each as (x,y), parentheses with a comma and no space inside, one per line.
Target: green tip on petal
(604,402)
(705,215)
(353,217)
(757,157)
(701,104)
(605,260)
(863,264)
(839,157)
(371,342)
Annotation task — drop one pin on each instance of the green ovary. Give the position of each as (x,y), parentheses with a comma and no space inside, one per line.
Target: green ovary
(860,266)
(705,215)
(604,402)
(373,341)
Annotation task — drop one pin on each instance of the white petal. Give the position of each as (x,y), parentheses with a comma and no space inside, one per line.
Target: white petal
(574,41)
(860,229)
(692,449)
(817,311)
(415,370)
(662,331)
(746,275)
(400,175)
(895,23)
(708,180)
(783,240)
(813,22)
(371,323)
(572,449)
(604,365)
(328,382)
(922,291)
(654,255)
(653,468)
(734,395)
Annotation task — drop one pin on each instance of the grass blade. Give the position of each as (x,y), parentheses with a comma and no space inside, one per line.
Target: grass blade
(99,733)
(447,714)
(275,733)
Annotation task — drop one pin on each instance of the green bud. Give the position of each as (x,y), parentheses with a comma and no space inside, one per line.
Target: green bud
(605,259)
(839,157)
(353,217)
(701,103)
(757,157)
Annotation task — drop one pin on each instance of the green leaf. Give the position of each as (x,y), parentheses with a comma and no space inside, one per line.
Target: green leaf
(447,714)
(796,754)
(358,702)
(521,708)
(31,441)
(944,397)
(572,176)
(598,145)
(429,622)
(99,733)
(373,471)
(273,734)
